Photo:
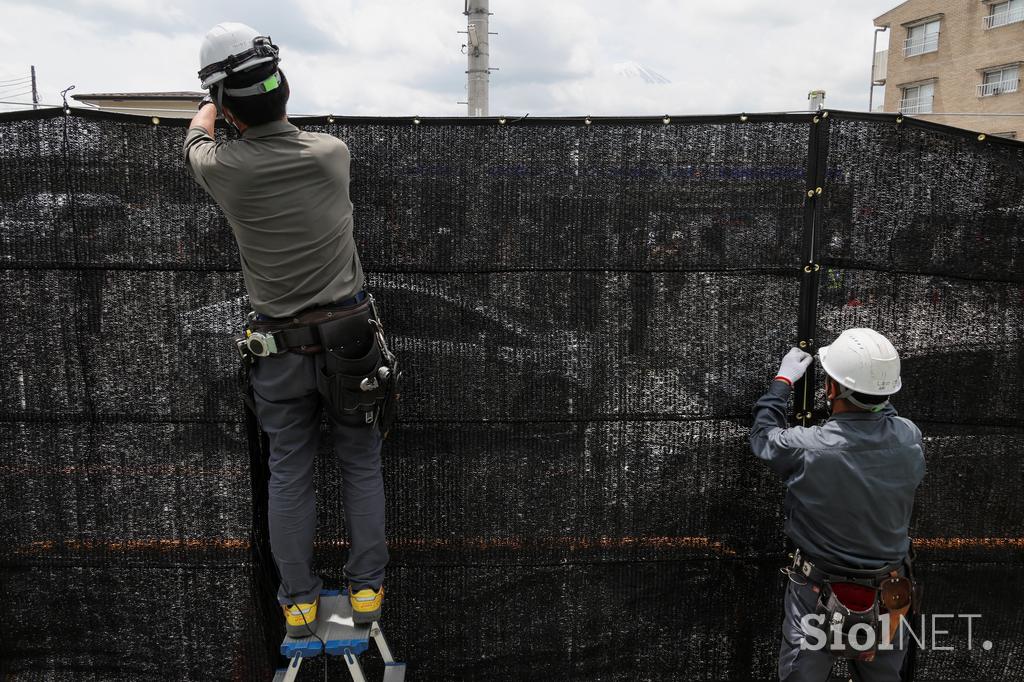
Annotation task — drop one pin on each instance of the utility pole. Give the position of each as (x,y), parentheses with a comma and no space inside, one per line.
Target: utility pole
(35,92)
(478,51)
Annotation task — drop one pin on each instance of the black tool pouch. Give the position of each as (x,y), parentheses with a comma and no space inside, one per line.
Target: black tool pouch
(841,618)
(388,414)
(354,378)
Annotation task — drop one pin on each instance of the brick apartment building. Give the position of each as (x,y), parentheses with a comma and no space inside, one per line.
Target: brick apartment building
(955,56)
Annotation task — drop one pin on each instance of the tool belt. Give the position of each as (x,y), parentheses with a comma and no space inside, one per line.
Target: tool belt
(359,375)
(849,597)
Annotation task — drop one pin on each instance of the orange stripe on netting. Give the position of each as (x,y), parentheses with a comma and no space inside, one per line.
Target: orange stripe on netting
(569,543)
(513,543)
(128,546)
(478,543)
(969,543)
(120,470)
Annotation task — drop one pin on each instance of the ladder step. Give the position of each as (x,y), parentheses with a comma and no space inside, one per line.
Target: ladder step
(341,637)
(334,626)
(394,672)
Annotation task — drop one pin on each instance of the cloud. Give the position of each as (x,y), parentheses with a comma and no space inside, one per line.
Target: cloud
(401,57)
(560,43)
(195,17)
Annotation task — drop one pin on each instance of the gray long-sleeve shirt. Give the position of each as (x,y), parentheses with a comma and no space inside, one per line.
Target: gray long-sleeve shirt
(285,194)
(850,482)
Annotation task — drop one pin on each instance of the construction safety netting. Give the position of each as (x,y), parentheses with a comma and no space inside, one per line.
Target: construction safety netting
(587,310)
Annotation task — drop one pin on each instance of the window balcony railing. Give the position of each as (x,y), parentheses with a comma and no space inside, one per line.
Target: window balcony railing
(913,46)
(917,105)
(880,67)
(1005,17)
(989,89)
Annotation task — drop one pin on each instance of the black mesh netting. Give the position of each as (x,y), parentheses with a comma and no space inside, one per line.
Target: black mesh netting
(586,313)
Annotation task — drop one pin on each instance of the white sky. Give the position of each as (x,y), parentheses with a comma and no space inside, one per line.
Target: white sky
(402,57)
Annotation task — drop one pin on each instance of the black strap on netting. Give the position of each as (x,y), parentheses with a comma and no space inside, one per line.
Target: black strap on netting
(817,162)
(264,578)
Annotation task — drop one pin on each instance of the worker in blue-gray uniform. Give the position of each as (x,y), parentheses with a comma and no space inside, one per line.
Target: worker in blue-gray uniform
(313,340)
(850,487)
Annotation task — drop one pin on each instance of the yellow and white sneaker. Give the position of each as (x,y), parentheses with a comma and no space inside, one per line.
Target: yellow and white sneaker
(366,605)
(300,619)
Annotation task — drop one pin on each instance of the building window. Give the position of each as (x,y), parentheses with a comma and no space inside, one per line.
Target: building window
(1003,13)
(996,81)
(922,38)
(917,99)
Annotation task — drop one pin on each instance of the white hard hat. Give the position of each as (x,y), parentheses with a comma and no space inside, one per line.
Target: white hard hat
(232,47)
(864,361)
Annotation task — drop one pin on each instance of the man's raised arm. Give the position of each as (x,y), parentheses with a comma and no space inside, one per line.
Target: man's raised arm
(205,117)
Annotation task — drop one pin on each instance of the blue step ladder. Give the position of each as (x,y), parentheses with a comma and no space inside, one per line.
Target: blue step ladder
(340,637)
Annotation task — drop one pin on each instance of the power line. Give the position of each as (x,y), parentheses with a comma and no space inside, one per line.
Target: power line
(16,80)
(125,110)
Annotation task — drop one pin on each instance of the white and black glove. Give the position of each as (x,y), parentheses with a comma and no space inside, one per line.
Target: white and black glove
(794,365)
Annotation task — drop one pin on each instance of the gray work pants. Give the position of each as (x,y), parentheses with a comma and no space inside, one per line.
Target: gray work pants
(796,665)
(288,406)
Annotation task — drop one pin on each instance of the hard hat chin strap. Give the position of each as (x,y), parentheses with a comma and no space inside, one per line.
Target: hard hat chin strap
(847,394)
(217,99)
(217,102)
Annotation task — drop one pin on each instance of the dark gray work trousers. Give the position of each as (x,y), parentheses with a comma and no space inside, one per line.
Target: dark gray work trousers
(805,665)
(289,406)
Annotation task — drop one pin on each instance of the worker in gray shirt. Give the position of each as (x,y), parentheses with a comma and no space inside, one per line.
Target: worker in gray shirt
(850,486)
(285,194)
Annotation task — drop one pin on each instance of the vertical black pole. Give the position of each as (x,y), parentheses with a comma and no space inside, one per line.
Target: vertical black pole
(35,92)
(817,160)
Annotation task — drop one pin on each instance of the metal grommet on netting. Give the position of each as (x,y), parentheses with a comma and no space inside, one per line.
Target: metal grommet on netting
(899,118)
(818,191)
(817,267)
(416,120)
(330,119)
(666,120)
(587,121)
(808,268)
(803,344)
(155,120)
(981,137)
(744,118)
(824,114)
(815,119)
(810,193)
(502,121)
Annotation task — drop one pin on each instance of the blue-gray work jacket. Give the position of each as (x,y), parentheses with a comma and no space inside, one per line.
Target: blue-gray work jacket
(850,482)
